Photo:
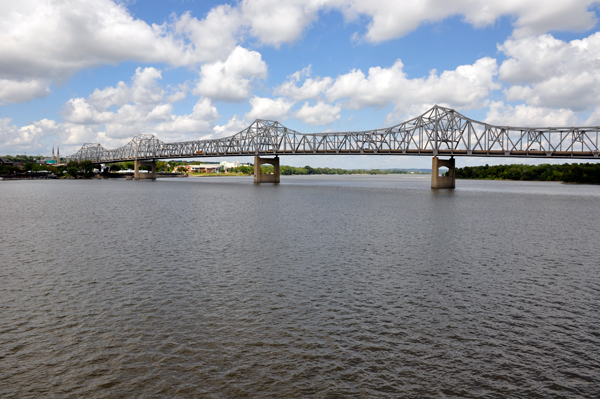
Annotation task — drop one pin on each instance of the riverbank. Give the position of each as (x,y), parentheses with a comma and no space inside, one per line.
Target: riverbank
(588,173)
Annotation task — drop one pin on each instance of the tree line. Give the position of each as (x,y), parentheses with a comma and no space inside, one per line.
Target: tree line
(30,163)
(571,173)
(73,169)
(30,166)
(85,168)
(308,170)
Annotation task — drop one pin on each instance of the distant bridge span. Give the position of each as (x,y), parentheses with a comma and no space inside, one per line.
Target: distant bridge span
(438,132)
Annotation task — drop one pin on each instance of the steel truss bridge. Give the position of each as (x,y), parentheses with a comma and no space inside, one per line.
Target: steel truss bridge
(438,132)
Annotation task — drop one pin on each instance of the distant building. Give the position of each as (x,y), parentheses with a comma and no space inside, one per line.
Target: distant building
(55,159)
(202,168)
(6,162)
(229,165)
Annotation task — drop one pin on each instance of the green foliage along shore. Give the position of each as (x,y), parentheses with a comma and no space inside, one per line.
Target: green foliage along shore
(307,170)
(571,173)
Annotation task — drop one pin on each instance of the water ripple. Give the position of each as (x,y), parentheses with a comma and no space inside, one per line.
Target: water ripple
(319,287)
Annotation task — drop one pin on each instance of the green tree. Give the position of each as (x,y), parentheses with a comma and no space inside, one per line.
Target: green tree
(161,166)
(32,166)
(9,170)
(86,168)
(72,171)
(267,169)
(248,170)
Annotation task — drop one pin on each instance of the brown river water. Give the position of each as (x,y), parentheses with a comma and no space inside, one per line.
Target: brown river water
(321,286)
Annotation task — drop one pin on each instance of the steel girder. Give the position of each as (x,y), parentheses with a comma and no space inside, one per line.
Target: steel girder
(439,131)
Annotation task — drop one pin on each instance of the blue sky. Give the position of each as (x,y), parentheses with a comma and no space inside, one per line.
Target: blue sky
(76,71)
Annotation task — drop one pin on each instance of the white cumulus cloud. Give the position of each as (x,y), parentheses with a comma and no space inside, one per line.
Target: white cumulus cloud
(231,80)
(233,126)
(526,116)
(275,22)
(391,18)
(17,91)
(268,108)
(319,114)
(43,42)
(311,88)
(548,72)
(213,37)
(198,122)
(465,87)
(28,138)
(46,41)
(144,92)
(113,115)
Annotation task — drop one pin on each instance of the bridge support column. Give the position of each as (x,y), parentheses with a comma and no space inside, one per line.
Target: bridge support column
(152,170)
(438,181)
(136,170)
(150,175)
(263,178)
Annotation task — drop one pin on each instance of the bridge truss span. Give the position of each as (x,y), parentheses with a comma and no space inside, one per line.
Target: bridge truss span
(438,132)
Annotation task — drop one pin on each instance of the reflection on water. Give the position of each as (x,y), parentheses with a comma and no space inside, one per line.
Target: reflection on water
(333,286)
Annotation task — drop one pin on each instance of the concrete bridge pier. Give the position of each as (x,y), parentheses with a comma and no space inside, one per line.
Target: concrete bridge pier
(263,178)
(150,175)
(438,181)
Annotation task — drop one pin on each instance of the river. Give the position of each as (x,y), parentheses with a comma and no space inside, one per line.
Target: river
(321,286)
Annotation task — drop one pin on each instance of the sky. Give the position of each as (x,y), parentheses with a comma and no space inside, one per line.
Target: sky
(101,71)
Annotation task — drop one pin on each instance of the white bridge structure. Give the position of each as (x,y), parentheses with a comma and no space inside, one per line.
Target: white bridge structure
(438,132)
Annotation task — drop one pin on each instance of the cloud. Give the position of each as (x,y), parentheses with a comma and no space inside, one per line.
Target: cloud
(392,19)
(466,87)
(213,37)
(113,115)
(319,114)
(310,89)
(275,22)
(178,94)
(267,108)
(233,126)
(232,79)
(27,138)
(199,121)
(73,135)
(540,16)
(526,116)
(144,92)
(47,37)
(15,91)
(46,41)
(553,73)
(43,42)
